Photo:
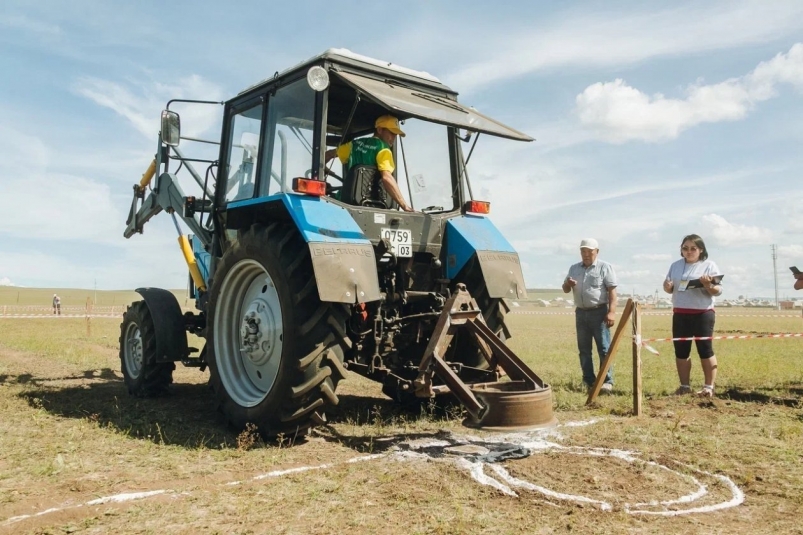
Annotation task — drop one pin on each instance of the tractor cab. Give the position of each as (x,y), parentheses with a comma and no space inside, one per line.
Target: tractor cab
(283,128)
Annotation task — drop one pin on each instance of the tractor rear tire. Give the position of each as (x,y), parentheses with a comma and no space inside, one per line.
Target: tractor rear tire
(275,351)
(143,376)
(493,311)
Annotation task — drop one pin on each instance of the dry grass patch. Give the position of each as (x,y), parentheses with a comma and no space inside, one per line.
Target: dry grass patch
(70,434)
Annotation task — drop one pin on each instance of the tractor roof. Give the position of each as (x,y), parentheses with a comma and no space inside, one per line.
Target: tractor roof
(398,90)
(348,58)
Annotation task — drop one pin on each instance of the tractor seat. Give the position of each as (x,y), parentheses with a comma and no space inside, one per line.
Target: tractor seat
(362,187)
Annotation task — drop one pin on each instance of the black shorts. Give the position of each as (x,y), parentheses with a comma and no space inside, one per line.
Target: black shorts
(688,325)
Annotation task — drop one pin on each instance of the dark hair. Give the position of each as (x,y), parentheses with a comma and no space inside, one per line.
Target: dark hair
(698,241)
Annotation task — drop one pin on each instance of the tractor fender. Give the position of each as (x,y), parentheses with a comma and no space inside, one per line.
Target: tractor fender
(342,256)
(468,237)
(168,322)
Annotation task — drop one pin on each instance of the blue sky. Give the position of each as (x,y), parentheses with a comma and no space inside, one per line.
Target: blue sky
(651,122)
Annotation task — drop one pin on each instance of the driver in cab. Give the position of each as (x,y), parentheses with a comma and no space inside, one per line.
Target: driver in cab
(375,151)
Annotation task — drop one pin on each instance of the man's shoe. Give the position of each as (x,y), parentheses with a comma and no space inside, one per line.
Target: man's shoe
(683,390)
(607,388)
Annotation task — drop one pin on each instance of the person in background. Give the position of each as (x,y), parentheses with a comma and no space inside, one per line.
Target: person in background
(56,304)
(693,311)
(593,285)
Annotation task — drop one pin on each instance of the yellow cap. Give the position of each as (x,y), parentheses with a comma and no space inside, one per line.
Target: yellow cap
(391,123)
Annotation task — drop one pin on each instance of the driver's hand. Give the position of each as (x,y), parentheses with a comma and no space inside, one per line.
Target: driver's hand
(407,208)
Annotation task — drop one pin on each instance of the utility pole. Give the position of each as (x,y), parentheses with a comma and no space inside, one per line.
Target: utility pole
(96,292)
(775,273)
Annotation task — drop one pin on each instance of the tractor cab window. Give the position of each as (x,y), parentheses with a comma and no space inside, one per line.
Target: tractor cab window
(421,160)
(288,137)
(423,168)
(243,150)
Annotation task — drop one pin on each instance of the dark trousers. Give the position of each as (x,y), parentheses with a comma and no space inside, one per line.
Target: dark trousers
(591,326)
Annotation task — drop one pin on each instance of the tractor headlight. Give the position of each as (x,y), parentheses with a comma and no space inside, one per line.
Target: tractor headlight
(318,78)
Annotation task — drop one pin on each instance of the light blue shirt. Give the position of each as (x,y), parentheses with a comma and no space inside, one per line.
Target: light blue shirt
(696,298)
(593,283)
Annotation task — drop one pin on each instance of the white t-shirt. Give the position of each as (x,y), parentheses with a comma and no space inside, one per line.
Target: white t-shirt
(696,298)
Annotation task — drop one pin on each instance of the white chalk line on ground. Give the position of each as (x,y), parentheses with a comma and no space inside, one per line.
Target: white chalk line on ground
(724,314)
(477,455)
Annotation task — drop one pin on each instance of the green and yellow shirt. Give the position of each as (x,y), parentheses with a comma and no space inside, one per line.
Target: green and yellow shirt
(367,151)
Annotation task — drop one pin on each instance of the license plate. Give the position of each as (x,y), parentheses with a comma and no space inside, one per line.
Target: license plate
(401,241)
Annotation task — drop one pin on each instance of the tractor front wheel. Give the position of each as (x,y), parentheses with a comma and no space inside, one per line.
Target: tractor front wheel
(143,376)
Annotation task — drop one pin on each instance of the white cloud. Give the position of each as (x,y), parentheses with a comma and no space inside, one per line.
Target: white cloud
(60,207)
(141,103)
(793,215)
(21,22)
(638,273)
(783,68)
(620,113)
(726,234)
(5,281)
(614,38)
(647,257)
(40,203)
(791,251)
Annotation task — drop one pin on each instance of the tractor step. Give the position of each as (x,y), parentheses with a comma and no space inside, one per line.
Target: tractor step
(524,402)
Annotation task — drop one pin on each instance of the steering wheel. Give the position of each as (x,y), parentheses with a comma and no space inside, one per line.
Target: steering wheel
(433,209)
(332,174)
(327,171)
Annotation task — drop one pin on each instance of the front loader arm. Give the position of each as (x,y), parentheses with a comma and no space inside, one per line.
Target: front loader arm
(166,195)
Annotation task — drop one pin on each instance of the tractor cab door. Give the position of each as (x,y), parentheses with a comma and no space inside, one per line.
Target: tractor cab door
(290,137)
(243,151)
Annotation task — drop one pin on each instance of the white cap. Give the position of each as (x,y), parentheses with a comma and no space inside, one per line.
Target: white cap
(589,243)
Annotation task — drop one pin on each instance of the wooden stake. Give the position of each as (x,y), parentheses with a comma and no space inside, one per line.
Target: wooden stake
(88,325)
(606,363)
(637,360)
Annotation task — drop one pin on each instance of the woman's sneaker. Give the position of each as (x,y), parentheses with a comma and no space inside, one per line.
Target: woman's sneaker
(706,392)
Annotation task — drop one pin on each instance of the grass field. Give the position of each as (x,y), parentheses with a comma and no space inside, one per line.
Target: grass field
(71,438)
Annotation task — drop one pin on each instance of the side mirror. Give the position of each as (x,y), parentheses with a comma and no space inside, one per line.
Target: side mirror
(171,128)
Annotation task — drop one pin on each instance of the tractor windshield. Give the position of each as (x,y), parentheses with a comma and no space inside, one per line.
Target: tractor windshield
(422,168)
(421,165)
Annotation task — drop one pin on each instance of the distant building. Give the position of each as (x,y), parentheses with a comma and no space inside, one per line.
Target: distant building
(787,305)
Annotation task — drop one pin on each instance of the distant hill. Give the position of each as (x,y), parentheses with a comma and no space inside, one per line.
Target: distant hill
(547,294)
(14,295)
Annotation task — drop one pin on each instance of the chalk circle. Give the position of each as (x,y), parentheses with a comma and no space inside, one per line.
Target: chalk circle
(490,461)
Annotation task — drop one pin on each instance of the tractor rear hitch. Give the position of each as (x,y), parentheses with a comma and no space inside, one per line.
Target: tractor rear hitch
(524,402)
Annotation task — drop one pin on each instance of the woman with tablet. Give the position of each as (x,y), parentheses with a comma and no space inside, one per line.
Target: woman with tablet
(694,281)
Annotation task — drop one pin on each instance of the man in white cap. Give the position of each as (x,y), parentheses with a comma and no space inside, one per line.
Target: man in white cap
(593,283)
(375,151)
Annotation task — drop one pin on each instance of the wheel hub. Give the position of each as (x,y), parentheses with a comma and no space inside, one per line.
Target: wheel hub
(258,332)
(248,333)
(133,350)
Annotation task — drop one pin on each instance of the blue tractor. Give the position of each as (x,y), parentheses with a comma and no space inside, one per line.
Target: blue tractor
(304,270)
